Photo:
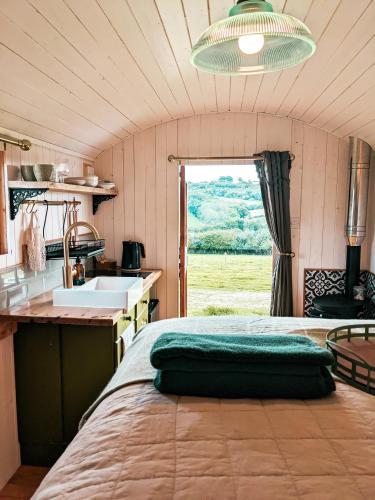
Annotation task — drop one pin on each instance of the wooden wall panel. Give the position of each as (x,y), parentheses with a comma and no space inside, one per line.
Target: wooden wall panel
(3,211)
(129,189)
(295,204)
(118,202)
(149,194)
(161,165)
(172,195)
(150,198)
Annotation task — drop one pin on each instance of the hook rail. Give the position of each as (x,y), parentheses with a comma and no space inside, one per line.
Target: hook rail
(50,203)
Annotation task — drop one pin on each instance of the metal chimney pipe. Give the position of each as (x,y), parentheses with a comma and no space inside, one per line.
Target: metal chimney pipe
(355,229)
(359,173)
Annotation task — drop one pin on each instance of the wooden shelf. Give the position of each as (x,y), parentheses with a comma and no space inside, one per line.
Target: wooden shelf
(19,191)
(61,187)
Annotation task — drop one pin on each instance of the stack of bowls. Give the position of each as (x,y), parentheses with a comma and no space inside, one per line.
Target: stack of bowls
(40,172)
(107,184)
(91,180)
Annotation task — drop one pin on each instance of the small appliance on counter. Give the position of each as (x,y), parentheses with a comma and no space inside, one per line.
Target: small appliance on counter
(132,251)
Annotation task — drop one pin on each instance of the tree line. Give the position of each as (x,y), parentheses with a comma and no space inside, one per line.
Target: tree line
(227,216)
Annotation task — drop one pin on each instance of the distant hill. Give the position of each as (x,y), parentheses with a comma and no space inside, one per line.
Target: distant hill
(224,215)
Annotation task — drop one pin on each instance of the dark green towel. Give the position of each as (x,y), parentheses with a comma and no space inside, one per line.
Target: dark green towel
(233,366)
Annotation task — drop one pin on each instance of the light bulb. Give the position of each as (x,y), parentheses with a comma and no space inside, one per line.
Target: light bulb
(251,44)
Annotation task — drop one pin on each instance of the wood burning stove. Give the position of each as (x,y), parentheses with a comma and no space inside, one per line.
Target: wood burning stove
(344,306)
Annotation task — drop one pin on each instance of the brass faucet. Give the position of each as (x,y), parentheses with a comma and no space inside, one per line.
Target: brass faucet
(67,269)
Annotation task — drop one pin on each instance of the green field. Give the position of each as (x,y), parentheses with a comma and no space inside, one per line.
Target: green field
(229,284)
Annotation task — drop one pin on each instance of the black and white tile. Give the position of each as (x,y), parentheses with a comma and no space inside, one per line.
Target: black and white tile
(319,282)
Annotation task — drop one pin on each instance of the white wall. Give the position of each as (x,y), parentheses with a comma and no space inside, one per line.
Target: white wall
(147,207)
(9,449)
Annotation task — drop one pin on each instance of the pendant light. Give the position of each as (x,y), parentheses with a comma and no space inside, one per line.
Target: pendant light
(253,40)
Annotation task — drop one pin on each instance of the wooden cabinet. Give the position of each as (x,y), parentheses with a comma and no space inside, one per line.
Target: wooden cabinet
(122,326)
(60,371)
(88,360)
(38,387)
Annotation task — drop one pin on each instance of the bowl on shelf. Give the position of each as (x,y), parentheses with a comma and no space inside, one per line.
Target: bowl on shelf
(43,171)
(78,181)
(27,172)
(91,180)
(107,184)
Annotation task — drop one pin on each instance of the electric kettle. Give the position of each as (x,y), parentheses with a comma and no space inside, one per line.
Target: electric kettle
(132,251)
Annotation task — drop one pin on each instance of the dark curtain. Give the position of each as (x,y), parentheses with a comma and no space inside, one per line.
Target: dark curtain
(273,174)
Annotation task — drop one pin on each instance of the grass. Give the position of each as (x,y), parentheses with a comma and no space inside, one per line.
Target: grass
(230,272)
(229,284)
(225,311)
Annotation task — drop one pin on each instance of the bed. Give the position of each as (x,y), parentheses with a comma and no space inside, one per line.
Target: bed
(139,444)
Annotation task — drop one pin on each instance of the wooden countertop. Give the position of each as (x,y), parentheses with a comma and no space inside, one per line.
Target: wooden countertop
(41,310)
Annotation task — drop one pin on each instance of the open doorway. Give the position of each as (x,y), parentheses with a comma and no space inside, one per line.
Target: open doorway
(226,247)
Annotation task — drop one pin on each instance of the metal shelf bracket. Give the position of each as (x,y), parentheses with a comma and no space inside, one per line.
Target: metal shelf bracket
(97,199)
(18,195)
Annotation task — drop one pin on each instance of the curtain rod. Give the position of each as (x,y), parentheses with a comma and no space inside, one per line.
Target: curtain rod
(172,158)
(24,144)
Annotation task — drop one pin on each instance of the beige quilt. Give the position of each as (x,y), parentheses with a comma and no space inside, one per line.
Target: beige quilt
(140,444)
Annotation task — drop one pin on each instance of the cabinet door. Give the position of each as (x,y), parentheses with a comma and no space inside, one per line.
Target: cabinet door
(121,326)
(88,363)
(142,319)
(142,311)
(38,383)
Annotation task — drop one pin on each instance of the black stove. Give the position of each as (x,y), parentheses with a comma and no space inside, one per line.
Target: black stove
(337,307)
(343,306)
(121,273)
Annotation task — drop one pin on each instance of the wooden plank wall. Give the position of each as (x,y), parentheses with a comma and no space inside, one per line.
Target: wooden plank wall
(14,157)
(147,207)
(9,449)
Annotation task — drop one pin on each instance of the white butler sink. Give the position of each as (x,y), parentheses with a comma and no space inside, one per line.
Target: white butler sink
(104,291)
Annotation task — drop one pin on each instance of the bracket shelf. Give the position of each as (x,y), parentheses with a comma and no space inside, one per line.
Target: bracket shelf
(19,191)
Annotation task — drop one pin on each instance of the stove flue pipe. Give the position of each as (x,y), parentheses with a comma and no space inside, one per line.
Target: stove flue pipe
(355,229)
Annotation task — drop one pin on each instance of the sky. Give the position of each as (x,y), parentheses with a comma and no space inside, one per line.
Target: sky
(201,173)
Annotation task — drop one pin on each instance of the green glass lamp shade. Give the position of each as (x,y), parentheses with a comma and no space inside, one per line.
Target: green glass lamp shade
(253,40)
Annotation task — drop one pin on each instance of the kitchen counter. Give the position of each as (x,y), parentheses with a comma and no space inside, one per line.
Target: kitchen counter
(40,309)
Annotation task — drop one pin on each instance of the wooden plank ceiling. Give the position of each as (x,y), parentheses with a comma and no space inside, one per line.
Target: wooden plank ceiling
(83,74)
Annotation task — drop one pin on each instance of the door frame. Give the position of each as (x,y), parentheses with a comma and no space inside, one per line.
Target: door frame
(3,210)
(183,242)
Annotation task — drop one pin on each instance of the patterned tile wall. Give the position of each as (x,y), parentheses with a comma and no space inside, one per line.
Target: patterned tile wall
(319,282)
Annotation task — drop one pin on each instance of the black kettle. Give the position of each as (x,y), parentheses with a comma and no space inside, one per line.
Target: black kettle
(132,251)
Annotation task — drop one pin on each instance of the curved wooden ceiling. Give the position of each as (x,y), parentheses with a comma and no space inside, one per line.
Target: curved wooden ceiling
(83,74)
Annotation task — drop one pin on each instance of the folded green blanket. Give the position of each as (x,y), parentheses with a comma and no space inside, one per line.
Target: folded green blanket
(180,349)
(233,366)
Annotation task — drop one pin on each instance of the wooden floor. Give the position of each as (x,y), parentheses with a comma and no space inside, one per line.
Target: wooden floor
(24,483)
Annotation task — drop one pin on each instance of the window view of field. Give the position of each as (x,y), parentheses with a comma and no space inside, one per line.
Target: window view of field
(229,246)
